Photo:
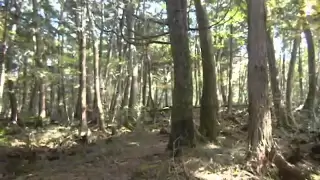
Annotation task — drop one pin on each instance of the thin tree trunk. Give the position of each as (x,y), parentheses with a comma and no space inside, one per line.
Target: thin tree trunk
(133,70)
(97,106)
(9,65)
(230,95)
(3,50)
(82,39)
(300,75)
(293,59)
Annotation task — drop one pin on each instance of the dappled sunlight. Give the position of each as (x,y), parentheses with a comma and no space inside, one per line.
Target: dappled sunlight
(134,143)
(140,154)
(159,90)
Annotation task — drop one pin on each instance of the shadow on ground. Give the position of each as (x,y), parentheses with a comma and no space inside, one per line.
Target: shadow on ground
(54,153)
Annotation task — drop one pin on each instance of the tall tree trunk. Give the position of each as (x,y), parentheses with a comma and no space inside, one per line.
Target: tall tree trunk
(310,101)
(33,99)
(300,75)
(82,67)
(218,58)
(260,128)
(150,102)
(38,60)
(273,72)
(62,105)
(97,106)
(9,65)
(209,100)
(182,128)
(283,70)
(145,78)
(195,75)
(230,95)
(293,59)
(240,91)
(133,69)
(11,87)
(25,85)
(3,50)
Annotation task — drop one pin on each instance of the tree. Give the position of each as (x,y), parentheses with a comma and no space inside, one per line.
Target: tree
(182,130)
(40,83)
(310,101)
(280,112)
(133,68)
(230,92)
(9,67)
(290,76)
(97,104)
(260,129)
(82,40)
(209,100)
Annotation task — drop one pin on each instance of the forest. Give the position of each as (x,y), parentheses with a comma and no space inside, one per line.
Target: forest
(155,90)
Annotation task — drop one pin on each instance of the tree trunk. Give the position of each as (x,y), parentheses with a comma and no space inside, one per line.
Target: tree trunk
(38,57)
(209,100)
(182,128)
(273,71)
(25,86)
(310,101)
(97,106)
(133,69)
(11,88)
(145,79)
(82,67)
(300,76)
(230,95)
(195,76)
(260,128)
(9,62)
(3,50)
(293,59)
(283,70)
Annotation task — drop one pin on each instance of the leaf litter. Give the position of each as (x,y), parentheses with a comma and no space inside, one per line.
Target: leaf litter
(54,153)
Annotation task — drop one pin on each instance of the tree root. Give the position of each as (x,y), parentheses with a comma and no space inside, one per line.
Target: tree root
(286,170)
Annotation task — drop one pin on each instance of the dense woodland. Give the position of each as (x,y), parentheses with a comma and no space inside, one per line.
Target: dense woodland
(149,89)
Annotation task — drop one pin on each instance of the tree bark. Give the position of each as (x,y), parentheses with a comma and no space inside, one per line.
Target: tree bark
(277,98)
(300,76)
(209,100)
(310,101)
(97,106)
(182,129)
(82,67)
(260,128)
(290,78)
(230,92)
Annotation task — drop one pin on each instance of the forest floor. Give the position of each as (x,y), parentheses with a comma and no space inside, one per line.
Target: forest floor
(53,153)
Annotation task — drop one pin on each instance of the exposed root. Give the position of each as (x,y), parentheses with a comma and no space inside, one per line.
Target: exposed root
(286,170)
